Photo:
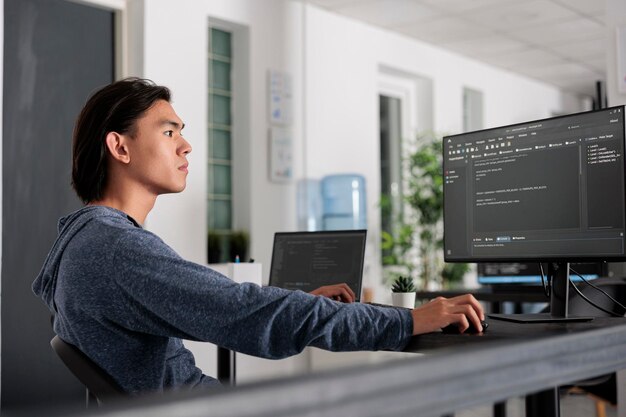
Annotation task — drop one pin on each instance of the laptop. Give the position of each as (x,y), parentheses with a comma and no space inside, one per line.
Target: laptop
(309,260)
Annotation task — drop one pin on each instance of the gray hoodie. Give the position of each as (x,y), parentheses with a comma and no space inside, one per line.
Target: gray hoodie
(126,299)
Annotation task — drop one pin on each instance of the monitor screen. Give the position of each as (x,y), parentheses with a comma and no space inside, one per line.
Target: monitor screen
(529,273)
(551,189)
(309,260)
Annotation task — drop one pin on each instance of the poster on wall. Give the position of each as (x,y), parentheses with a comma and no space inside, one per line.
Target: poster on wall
(280,97)
(281,155)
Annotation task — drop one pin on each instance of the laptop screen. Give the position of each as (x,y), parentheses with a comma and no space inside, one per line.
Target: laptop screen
(309,260)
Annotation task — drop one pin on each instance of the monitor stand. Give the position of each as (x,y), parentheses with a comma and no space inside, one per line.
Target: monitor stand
(558,274)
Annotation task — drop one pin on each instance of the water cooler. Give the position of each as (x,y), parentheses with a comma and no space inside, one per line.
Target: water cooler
(343,202)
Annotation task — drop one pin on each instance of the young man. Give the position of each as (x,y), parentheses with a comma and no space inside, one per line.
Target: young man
(126,299)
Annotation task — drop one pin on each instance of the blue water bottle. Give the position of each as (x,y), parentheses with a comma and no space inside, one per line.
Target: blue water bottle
(344,202)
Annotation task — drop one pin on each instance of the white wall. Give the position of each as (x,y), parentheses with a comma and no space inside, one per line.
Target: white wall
(615,17)
(176,55)
(344,58)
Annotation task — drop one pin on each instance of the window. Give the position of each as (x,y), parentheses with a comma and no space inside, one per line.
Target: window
(390,162)
(220,145)
(472,110)
(405,104)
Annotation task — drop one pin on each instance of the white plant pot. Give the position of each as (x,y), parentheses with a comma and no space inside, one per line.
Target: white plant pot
(403,299)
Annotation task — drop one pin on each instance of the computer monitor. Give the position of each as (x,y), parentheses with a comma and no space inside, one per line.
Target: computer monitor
(510,274)
(550,190)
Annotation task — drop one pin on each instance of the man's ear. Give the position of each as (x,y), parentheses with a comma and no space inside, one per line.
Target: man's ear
(117,146)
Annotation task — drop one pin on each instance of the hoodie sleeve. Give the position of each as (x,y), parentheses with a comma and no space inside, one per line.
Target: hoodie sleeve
(162,294)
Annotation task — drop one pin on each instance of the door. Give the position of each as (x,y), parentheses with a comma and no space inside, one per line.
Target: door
(56,53)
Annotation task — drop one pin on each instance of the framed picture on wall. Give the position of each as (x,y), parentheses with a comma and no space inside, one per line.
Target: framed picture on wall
(281,154)
(280,97)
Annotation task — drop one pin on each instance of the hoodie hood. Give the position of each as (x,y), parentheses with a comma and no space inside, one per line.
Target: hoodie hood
(44,285)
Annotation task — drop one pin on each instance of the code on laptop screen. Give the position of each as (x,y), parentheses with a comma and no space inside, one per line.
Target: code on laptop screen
(308,260)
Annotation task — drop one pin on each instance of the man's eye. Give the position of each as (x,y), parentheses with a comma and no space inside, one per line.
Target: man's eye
(169,133)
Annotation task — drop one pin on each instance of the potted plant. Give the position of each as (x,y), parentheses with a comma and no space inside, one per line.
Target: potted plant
(214,247)
(239,241)
(403,292)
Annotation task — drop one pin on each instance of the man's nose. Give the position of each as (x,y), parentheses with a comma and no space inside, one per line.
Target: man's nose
(185,147)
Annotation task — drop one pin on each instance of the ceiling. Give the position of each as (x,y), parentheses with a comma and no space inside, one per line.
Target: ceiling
(560,42)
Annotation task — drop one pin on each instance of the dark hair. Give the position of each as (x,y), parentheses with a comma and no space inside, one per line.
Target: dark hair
(114,108)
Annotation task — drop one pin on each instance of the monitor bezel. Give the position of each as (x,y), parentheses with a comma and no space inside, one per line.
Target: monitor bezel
(547,258)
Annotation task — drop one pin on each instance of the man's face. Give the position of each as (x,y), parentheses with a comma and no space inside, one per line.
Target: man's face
(158,151)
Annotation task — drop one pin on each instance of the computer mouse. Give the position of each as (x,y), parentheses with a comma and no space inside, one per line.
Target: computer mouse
(454,328)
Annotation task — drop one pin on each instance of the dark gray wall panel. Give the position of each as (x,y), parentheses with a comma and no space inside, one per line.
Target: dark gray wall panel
(56,54)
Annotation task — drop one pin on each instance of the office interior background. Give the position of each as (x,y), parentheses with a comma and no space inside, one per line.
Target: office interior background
(451,65)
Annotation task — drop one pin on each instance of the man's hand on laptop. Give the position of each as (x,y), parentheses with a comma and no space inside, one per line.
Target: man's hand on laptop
(441,312)
(338,292)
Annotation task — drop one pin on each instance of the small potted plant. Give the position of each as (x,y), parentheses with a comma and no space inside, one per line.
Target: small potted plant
(214,248)
(403,292)
(238,240)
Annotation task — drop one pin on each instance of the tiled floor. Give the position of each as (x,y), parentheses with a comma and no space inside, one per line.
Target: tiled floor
(571,406)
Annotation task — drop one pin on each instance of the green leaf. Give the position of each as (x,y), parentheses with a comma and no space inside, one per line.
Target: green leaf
(403,283)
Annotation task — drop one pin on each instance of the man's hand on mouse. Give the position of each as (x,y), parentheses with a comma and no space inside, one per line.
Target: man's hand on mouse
(441,312)
(338,292)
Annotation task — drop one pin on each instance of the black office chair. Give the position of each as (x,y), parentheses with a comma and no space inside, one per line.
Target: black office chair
(100,387)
